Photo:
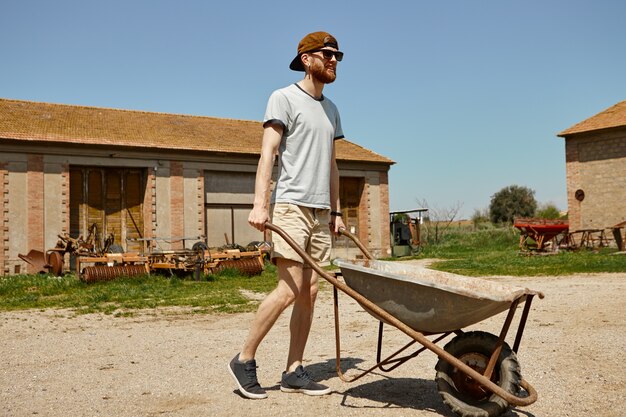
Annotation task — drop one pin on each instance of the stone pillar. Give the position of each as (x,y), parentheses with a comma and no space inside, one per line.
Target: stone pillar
(177,203)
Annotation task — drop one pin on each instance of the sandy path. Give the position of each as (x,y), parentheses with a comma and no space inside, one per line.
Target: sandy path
(165,363)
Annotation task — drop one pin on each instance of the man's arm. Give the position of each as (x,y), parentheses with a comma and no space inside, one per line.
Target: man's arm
(271,140)
(336,222)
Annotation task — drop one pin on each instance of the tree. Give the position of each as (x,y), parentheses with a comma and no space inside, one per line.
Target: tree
(480,217)
(548,211)
(439,219)
(511,202)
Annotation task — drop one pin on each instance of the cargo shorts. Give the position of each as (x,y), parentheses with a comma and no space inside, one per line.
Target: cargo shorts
(307,226)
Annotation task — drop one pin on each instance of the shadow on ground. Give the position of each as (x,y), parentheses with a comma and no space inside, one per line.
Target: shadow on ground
(389,392)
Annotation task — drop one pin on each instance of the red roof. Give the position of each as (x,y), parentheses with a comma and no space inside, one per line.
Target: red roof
(614,116)
(60,123)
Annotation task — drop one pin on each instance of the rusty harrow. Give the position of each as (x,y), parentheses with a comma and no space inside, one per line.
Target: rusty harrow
(107,273)
(111,266)
(94,262)
(201,260)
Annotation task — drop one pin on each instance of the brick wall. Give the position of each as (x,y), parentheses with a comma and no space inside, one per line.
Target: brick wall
(4,221)
(36,202)
(200,203)
(596,164)
(364,217)
(65,201)
(384,215)
(572,169)
(177,201)
(149,205)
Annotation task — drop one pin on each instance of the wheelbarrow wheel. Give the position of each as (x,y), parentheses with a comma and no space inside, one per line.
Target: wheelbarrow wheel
(461,393)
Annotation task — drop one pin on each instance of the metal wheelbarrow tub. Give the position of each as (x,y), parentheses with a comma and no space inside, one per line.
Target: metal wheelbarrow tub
(428,301)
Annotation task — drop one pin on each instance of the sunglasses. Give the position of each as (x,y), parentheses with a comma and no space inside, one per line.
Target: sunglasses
(328,54)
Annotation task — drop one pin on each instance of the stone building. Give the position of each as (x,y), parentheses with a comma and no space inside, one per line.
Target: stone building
(595,154)
(158,179)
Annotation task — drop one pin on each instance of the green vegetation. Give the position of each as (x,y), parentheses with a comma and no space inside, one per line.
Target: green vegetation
(215,293)
(495,251)
(466,250)
(511,202)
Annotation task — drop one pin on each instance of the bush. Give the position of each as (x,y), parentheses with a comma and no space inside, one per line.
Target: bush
(480,219)
(511,202)
(549,211)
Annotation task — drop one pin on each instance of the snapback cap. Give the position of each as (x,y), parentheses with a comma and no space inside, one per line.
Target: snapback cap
(312,42)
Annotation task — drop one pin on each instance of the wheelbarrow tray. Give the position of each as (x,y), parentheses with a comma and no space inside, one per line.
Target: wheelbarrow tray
(426,300)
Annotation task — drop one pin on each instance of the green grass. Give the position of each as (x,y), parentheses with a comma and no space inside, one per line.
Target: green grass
(496,252)
(492,251)
(215,293)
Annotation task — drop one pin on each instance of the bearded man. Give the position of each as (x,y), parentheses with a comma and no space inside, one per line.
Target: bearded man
(300,129)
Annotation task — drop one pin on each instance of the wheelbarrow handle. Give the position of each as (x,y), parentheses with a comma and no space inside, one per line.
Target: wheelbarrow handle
(361,246)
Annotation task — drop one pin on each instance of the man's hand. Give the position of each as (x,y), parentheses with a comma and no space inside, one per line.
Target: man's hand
(335,224)
(257,218)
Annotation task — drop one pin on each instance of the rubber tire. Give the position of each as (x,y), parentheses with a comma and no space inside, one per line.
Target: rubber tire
(115,248)
(507,371)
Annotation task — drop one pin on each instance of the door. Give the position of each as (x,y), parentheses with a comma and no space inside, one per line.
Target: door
(112,200)
(229,197)
(350,193)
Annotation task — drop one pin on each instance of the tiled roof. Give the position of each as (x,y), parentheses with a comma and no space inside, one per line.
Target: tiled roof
(60,123)
(614,116)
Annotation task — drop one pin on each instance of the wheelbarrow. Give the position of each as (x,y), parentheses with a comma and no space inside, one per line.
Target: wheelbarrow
(478,373)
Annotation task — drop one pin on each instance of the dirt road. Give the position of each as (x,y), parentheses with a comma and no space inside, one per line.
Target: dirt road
(172,363)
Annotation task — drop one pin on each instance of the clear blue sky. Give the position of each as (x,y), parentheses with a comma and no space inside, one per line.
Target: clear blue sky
(466,96)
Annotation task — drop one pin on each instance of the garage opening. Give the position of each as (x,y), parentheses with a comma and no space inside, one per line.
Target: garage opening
(112,200)
(228,201)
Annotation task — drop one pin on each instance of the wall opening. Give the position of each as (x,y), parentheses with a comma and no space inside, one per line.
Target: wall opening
(112,200)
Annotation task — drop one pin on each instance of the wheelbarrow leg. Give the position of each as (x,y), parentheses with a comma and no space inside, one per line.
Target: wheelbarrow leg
(399,361)
(522,323)
(505,329)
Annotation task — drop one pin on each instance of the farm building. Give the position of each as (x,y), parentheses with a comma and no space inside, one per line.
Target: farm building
(157,179)
(595,154)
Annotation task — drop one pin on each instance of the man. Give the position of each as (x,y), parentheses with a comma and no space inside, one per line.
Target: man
(300,127)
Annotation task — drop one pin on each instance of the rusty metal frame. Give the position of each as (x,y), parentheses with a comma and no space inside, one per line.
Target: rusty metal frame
(415,335)
(396,362)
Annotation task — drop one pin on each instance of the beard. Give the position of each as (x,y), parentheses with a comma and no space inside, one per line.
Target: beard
(323,74)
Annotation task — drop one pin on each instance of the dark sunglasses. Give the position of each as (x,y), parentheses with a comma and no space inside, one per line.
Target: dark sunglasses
(328,54)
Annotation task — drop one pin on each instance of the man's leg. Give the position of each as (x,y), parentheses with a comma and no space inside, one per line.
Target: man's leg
(243,366)
(301,319)
(289,288)
(296,378)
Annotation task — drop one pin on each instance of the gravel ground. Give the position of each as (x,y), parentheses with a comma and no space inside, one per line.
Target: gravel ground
(168,362)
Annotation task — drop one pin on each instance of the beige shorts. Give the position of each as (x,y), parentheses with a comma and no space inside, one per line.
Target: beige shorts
(307,226)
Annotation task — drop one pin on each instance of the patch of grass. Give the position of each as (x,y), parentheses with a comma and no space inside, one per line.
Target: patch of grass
(492,251)
(496,252)
(214,293)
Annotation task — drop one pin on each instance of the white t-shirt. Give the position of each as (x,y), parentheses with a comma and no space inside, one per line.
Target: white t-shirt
(310,127)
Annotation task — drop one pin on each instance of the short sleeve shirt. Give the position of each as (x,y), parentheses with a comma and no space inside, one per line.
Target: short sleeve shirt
(310,127)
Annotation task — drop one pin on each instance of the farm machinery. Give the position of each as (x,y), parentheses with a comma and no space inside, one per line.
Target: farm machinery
(52,261)
(201,259)
(95,261)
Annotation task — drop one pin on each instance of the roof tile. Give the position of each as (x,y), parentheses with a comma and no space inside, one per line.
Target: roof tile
(614,116)
(46,122)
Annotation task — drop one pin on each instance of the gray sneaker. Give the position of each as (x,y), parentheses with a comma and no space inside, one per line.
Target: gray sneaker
(300,381)
(244,374)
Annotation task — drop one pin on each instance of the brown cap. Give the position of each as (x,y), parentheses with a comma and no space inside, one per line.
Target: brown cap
(312,42)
